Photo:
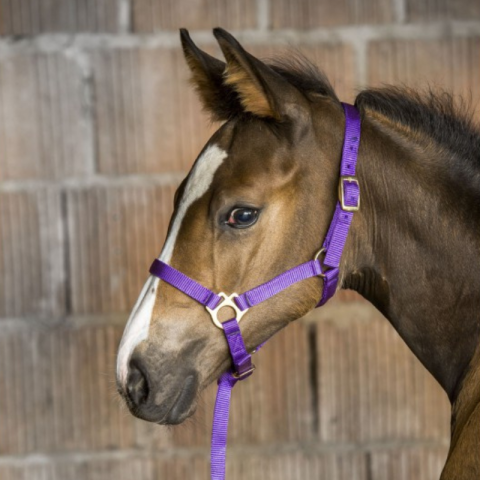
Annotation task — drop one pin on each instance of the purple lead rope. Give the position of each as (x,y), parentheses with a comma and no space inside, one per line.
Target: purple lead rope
(242,363)
(333,245)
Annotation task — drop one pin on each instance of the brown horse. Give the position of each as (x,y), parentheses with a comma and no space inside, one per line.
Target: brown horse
(259,200)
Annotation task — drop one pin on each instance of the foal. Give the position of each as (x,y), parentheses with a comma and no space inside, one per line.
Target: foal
(259,200)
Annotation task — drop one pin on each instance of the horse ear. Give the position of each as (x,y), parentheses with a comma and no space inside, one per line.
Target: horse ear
(261,90)
(207,77)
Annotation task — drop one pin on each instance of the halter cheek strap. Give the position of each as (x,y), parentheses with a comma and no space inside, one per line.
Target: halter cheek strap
(331,251)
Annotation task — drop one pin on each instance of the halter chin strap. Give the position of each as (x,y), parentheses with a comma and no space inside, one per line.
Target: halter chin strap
(331,251)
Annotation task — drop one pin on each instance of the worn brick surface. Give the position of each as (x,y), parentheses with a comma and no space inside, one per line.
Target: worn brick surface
(32,267)
(312,14)
(256,466)
(27,17)
(156,15)
(59,393)
(114,232)
(450,64)
(127,468)
(42,132)
(371,387)
(293,466)
(431,11)
(270,466)
(274,405)
(147,116)
(418,463)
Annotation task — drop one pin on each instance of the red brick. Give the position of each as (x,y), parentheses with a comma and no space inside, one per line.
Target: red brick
(405,463)
(114,233)
(306,14)
(371,387)
(24,17)
(450,64)
(32,269)
(148,117)
(442,10)
(156,15)
(42,134)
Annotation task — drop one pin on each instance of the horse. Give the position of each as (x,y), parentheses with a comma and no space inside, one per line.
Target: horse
(258,201)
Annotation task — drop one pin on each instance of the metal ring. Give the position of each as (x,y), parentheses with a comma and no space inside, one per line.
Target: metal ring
(316,257)
(228,301)
(322,250)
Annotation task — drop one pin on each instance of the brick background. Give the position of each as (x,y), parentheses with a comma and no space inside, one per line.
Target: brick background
(42,131)
(97,128)
(27,17)
(157,15)
(308,14)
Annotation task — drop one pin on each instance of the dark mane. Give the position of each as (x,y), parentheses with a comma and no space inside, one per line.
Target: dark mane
(303,74)
(441,116)
(446,119)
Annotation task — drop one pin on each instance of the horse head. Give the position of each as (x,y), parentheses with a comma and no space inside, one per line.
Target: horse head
(257,201)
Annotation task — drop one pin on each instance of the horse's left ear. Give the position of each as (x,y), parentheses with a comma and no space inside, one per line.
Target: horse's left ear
(262,91)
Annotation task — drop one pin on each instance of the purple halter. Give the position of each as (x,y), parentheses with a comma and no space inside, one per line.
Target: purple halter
(332,248)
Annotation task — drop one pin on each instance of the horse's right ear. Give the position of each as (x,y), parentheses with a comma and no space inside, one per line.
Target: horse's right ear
(207,77)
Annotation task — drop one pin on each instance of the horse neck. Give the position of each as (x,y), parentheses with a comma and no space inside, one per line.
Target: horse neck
(414,250)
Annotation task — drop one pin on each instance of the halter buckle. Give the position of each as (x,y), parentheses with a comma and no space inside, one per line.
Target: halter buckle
(341,194)
(244,375)
(228,301)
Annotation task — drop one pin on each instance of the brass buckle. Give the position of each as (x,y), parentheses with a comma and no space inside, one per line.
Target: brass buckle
(341,194)
(228,301)
(242,376)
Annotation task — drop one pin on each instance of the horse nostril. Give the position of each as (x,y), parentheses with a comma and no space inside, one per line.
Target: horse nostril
(137,385)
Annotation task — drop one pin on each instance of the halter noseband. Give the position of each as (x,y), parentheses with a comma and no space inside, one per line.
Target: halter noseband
(332,248)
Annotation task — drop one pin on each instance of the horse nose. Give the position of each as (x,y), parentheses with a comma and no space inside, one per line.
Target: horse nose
(137,384)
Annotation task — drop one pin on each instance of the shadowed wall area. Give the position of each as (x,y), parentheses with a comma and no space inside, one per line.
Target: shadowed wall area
(98,126)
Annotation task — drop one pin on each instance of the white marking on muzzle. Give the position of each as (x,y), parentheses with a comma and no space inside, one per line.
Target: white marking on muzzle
(139,322)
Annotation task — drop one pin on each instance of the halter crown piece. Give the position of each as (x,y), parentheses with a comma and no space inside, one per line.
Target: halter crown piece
(332,248)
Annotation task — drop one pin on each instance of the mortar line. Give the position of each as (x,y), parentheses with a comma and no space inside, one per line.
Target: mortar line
(400,11)
(309,447)
(360,48)
(66,252)
(95,180)
(343,34)
(124,16)
(313,376)
(263,14)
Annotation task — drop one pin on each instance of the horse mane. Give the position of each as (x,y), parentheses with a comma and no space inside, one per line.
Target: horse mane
(302,74)
(447,119)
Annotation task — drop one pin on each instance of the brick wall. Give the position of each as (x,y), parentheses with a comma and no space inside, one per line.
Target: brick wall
(97,127)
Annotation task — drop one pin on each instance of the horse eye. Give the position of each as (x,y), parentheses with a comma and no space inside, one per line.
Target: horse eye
(242,217)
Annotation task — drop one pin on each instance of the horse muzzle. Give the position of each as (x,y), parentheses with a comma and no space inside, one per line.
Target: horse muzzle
(162,398)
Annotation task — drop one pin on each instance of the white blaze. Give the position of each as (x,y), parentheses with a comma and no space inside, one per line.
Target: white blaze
(139,322)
